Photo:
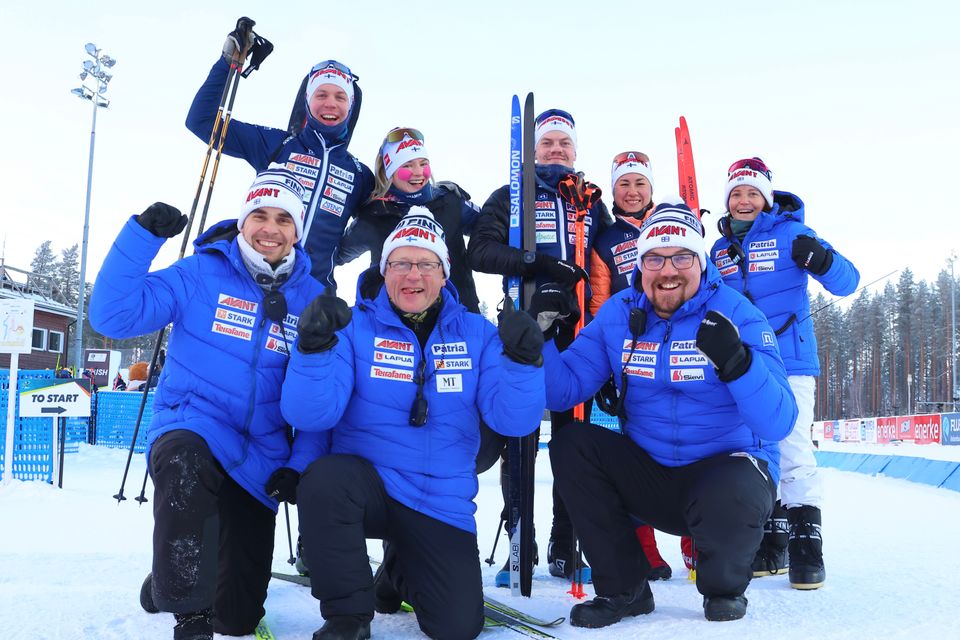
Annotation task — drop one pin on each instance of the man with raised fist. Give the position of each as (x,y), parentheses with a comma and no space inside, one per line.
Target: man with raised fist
(217,446)
(703,401)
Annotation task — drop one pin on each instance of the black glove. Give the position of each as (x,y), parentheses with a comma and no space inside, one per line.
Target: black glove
(719,340)
(162,220)
(282,485)
(556,270)
(521,337)
(239,40)
(319,323)
(550,303)
(809,254)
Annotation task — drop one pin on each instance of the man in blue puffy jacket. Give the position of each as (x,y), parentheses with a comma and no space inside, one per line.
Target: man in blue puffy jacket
(703,401)
(395,389)
(216,436)
(335,182)
(767,253)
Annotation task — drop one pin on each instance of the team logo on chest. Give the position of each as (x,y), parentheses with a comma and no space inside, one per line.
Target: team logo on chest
(686,362)
(234,317)
(642,361)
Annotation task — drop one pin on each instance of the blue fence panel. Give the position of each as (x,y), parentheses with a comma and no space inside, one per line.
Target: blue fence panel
(117,417)
(32,437)
(605,420)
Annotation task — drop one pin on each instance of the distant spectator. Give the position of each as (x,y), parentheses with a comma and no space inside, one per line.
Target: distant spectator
(138,376)
(118,383)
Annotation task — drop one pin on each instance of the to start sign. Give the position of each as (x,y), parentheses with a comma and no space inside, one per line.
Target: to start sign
(58,398)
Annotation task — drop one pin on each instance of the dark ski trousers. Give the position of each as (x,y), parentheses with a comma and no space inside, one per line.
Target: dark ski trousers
(493,446)
(212,541)
(435,566)
(606,479)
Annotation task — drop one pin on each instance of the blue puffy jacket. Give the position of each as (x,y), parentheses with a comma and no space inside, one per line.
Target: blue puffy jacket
(225,359)
(770,278)
(363,390)
(677,409)
(335,183)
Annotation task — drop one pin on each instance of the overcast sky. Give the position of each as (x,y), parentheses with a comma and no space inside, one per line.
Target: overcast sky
(852,104)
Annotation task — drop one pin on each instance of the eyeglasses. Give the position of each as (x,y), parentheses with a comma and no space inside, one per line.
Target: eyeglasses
(418,412)
(403,267)
(654,262)
(398,134)
(333,64)
(631,156)
(554,113)
(754,164)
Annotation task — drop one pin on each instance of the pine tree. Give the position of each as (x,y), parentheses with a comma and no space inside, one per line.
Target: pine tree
(67,274)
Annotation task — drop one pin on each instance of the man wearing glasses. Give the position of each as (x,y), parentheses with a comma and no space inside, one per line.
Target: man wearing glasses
(335,182)
(395,390)
(217,435)
(704,400)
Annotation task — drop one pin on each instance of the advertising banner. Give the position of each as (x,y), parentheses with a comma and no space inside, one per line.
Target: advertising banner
(950,428)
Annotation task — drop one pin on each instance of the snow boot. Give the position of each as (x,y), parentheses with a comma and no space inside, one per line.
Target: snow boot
(385,596)
(806,548)
(300,565)
(560,562)
(603,611)
(146,595)
(194,626)
(344,628)
(659,569)
(724,608)
(771,558)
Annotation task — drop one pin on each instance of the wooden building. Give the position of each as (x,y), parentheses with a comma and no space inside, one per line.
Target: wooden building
(53,318)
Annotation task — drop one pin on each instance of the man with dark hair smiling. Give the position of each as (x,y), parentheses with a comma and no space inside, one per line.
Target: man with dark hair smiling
(217,441)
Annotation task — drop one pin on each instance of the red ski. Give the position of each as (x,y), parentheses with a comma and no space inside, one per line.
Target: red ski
(685,169)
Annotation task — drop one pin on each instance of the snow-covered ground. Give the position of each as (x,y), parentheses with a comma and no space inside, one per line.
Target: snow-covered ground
(72,560)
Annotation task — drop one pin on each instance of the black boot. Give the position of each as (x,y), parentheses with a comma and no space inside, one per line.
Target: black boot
(146,595)
(806,548)
(385,596)
(194,626)
(771,558)
(344,628)
(723,608)
(603,611)
(300,564)
(560,562)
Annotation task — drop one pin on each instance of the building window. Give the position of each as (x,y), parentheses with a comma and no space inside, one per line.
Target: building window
(55,341)
(40,339)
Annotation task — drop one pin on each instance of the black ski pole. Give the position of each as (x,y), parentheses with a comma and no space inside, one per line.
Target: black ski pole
(286,512)
(235,65)
(490,560)
(262,48)
(214,134)
(143,403)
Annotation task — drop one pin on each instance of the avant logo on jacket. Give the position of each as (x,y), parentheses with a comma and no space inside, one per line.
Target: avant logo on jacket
(645,353)
(230,319)
(386,359)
